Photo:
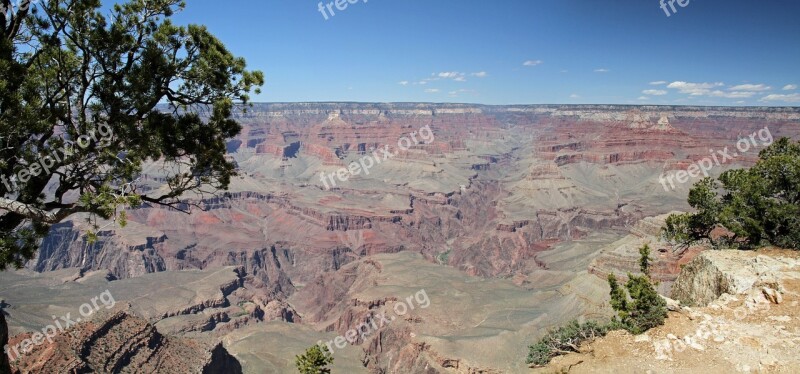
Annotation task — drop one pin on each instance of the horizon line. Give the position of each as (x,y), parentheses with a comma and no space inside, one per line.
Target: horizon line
(517,105)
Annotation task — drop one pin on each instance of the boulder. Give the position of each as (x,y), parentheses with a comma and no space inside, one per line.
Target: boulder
(714,273)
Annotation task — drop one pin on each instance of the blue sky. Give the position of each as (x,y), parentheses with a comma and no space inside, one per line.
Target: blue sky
(720,52)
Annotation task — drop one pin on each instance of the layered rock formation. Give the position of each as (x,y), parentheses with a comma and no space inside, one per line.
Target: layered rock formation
(119,342)
(128,254)
(214,301)
(666,260)
(490,187)
(464,324)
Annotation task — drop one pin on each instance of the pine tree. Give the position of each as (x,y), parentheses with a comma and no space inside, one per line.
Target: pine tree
(315,360)
(640,308)
(644,260)
(84,93)
(619,298)
(757,206)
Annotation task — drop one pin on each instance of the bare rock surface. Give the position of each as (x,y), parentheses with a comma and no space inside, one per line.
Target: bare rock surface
(117,342)
(714,273)
(272,346)
(179,300)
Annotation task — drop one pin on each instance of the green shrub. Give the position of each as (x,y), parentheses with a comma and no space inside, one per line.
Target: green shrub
(640,308)
(563,340)
(314,360)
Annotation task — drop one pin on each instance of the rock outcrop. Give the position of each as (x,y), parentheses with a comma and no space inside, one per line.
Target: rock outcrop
(180,302)
(125,254)
(714,273)
(119,342)
(666,260)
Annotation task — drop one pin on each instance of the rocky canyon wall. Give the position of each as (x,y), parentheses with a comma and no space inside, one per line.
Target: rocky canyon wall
(493,187)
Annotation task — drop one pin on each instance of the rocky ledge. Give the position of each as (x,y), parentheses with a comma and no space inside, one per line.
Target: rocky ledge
(714,273)
(119,342)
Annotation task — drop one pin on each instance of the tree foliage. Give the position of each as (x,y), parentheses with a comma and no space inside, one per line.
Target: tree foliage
(314,360)
(619,298)
(644,259)
(67,70)
(757,206)
(639,306)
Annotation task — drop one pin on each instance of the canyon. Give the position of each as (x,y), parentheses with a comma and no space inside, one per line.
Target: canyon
(510,220)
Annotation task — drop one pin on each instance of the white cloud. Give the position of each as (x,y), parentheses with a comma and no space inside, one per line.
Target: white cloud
(790,87)
(789,98)
(454,75)
(694,89)
(732,95)
(750,87)
(643,98)
(461,91)
(450,74)
(432,90)
(532,62)
(658,83)
(574,96)
(654,92)
(565,71)
(714,89)
(601,70)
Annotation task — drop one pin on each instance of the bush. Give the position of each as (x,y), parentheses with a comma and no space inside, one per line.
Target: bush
(563,340)
(640,308)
